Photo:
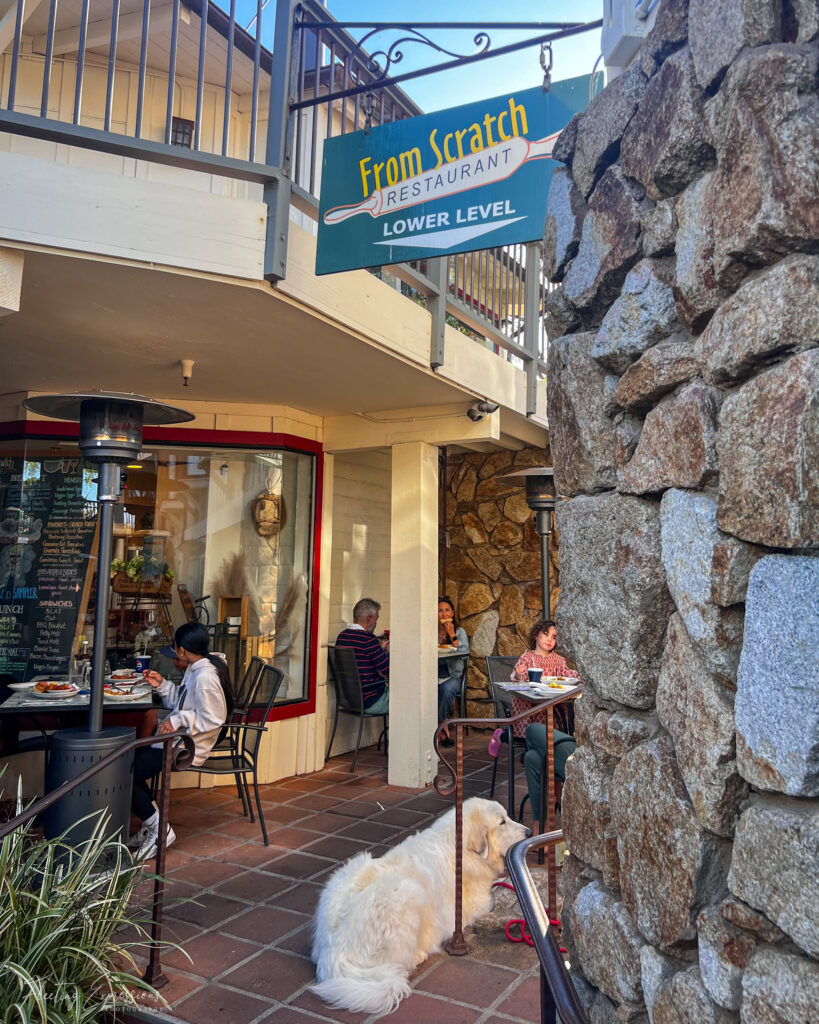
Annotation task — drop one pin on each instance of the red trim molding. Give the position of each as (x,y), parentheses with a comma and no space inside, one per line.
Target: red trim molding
(59,429)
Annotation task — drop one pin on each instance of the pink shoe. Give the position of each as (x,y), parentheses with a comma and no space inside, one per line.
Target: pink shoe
(495,742)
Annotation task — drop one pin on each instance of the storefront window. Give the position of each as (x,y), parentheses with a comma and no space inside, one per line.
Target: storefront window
(225,535)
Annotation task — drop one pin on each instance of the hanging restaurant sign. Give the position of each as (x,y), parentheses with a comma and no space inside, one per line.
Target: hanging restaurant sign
(457,180)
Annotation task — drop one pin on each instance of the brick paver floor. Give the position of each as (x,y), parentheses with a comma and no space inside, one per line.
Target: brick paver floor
(242,910)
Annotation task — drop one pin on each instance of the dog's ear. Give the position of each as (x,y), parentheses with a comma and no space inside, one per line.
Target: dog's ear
(477,837)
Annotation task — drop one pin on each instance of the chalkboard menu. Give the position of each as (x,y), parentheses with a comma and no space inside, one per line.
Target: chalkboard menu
(47,527)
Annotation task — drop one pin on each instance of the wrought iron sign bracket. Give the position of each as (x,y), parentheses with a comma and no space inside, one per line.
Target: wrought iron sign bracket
(378,65)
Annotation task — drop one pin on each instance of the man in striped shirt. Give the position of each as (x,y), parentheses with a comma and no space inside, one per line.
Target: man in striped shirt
(372,658)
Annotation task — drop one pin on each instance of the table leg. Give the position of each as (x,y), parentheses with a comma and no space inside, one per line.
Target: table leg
(511,745)
(549,782)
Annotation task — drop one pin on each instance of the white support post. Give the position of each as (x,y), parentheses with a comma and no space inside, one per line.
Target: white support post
(413,609)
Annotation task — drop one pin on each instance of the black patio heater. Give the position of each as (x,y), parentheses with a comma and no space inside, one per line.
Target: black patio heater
(541,499)
(110,436)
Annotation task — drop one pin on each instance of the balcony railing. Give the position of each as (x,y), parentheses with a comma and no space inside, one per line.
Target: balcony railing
(180,82)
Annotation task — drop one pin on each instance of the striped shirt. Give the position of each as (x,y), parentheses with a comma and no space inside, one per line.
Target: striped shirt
(373,661)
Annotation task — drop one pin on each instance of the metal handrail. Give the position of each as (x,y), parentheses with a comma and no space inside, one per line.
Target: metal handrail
(557,993)
(173,759)
(457,945)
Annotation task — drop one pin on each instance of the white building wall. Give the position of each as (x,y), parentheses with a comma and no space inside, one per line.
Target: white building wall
(360,563)
(361,536)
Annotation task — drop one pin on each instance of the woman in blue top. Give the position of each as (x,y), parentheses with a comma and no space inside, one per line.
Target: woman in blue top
(451,671)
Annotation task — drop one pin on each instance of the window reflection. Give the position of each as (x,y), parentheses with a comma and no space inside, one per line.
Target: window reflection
(232,528)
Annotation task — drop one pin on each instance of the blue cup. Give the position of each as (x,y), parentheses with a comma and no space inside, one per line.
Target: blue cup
(143,662)
(535,674)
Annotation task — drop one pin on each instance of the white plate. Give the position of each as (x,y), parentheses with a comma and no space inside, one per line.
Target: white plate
(137,693)
(56,694)
(21,686)
(125,680)
(539,690)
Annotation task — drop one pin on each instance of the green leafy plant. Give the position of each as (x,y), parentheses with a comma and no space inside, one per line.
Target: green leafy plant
(60,961)
(134,567)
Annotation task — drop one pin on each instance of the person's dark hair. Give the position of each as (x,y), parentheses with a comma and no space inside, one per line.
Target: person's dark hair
(451,604)
(194,637)
(442,633)
(541,626)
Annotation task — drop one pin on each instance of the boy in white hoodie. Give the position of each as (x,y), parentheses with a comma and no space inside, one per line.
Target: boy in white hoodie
(200,705)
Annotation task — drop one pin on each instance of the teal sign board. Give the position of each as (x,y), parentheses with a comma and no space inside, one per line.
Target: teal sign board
(468,178)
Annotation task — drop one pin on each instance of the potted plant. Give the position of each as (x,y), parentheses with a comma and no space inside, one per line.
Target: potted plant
(128,576)
(60,959)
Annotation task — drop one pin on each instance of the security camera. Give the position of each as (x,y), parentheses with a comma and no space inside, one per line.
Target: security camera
(478,410)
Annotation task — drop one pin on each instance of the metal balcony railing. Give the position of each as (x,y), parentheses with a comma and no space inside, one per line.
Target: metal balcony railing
(180,82)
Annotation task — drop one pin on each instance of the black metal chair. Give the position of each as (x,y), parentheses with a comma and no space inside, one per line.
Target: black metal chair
(241,700)
(349,696)
(241,757)
(499,668)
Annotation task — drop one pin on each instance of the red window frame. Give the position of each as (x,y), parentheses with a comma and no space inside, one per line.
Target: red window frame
(60,430)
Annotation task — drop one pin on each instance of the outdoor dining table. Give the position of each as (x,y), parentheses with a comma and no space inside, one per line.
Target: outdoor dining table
(21,702)
(523,698)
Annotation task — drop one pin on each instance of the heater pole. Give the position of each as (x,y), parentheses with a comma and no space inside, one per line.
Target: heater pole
(543,524)
(108,484)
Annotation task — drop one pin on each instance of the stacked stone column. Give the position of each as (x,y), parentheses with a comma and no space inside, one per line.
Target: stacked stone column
(683,388)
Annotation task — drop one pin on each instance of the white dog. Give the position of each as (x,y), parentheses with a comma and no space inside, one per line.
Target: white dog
(378,919)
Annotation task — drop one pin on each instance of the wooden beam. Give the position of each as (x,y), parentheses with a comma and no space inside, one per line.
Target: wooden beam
(67,40)
(9,20)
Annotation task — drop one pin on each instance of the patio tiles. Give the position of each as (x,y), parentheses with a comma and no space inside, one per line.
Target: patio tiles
(211,954)
(301,865)
(311,802)
(312,1004)
(336,848)
(254,886)
(285,814)
(304,785)
(178,987)
(429,1010)
(215,1003)
(325,823)
(240,827)
(204,844)
(253,855)
(385,797)
(403,818)
(250,930)
(209,910)
(299,942)
(352,808)
(290,838)
(467,980)
(524,1001)
(264,924)
(272,973)
(370,831)
(301,898)
(204,873)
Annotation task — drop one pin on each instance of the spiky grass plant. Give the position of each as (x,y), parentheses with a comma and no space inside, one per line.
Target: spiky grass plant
(60,962)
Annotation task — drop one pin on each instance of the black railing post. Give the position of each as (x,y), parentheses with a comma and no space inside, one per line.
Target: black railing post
(154,974)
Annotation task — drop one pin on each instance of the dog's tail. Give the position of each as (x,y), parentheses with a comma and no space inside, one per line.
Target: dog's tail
(376,989)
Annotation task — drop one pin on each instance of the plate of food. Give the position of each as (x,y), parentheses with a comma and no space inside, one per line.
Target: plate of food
(115,691)
(124,675)
(54,689)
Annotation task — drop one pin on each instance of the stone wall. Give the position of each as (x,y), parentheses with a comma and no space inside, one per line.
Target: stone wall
(491,566)
(684,412)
